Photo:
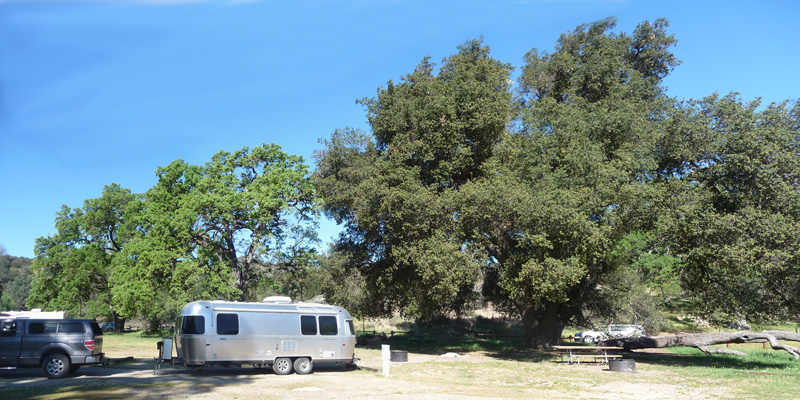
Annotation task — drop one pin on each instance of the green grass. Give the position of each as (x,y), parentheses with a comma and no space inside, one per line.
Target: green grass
(132,344)
(723,365)
(764,374)
(777,326)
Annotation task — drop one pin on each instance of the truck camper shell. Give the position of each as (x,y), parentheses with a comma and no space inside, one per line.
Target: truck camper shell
(286,336)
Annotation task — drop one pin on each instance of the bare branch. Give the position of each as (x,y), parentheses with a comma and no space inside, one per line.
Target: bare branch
(702,341)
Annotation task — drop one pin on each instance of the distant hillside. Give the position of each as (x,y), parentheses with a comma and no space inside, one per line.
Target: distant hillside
(15,282)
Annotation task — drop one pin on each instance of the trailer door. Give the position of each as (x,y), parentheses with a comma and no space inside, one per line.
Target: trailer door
(329,331)
(226,342)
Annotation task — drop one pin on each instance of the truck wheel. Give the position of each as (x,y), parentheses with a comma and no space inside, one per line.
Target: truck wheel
(282,366)
(56,366)
(303,366)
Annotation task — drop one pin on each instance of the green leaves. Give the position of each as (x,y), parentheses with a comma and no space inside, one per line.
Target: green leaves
(444,125)
(201,232)
(734,205)
(548,280)
(593,64)
(397,191)
(231,214)
(73,267)
(443,200)
(444,272)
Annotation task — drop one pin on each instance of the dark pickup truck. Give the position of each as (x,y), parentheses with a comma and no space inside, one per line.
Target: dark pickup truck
(58,346)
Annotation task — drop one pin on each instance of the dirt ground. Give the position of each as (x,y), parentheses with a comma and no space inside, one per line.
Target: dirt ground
(468,376)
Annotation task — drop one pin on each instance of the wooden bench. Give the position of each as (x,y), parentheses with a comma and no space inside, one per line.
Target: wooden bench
(600,354)
(603,359)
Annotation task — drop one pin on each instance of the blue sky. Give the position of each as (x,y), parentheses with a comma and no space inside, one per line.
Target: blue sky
(101,92)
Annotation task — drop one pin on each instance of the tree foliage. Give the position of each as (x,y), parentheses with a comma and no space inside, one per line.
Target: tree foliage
(295,269)
(15,281)
(396,191)
(201,232)
(342,283)
(443,203)
(72,268)
(573,181)
(644,280)
(212,231)
(733,211)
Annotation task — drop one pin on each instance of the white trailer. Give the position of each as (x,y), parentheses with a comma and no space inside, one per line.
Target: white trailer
(286,336)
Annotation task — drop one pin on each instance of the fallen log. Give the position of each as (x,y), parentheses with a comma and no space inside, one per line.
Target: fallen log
(702,341)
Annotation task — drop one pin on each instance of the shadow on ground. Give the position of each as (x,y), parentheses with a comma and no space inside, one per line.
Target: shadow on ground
(131,378)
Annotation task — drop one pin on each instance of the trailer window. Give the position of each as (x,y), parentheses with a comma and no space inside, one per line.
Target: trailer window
(193,325)
(227,324)
(308,325)
(351,330)
(327,326)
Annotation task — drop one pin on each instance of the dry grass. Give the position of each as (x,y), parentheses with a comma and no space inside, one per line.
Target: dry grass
(132,344)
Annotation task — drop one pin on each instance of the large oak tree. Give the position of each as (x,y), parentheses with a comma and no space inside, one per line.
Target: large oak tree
(442,203)
(214,230)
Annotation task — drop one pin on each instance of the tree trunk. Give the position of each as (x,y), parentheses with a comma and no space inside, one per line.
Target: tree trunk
(119,323)
(701,341)
(542,326)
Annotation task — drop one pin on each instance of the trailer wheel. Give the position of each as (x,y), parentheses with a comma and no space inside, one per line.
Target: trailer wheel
(303,365)
(56,366)
(282,366)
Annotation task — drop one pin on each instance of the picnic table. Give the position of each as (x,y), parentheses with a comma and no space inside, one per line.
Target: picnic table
(574,353)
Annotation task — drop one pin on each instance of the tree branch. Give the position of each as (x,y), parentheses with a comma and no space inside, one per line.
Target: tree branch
(701,341)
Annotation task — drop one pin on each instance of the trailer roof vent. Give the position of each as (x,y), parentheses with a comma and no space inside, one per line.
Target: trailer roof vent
(277,300)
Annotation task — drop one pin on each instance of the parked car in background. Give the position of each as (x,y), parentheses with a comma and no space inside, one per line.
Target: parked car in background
(590,336)
(107,327)
(624,331)
(613,331)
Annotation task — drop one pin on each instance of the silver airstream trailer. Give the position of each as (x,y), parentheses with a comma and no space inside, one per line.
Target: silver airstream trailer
(278,333)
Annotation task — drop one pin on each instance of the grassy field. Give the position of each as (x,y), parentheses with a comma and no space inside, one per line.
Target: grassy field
(486,367)
(132,344)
